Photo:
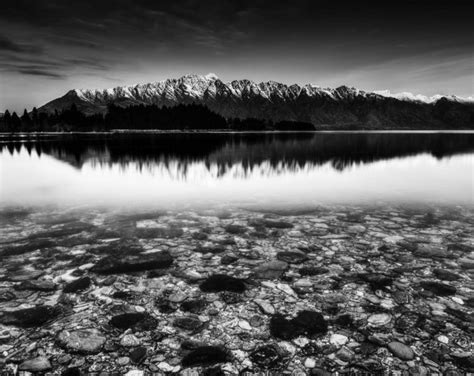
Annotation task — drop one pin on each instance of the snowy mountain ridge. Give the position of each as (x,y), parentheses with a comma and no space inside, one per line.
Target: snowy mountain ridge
(274,101)
(209,85)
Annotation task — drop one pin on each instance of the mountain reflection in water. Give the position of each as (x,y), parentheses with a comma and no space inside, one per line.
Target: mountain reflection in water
(222,151)
(297,168)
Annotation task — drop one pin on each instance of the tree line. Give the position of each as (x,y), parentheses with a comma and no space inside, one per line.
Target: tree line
(138,117)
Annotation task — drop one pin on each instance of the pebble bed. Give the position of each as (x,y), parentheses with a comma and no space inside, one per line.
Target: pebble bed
(335,290)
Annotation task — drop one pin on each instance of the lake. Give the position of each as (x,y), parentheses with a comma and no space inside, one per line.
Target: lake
(237,254)
(265,170)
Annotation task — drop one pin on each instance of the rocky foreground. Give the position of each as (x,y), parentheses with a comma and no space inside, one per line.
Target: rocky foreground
(342,289)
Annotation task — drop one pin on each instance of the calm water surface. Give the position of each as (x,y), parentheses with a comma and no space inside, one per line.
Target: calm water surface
(264,170)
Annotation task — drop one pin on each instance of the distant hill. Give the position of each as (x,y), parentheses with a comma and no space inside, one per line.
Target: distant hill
(340,107)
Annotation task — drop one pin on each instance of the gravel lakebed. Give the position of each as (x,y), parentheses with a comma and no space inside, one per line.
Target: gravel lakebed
(335,290)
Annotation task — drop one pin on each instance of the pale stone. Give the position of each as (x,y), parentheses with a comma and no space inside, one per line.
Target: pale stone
(165,367)
(338,340)
(135,372)
(245,325)
(443,339)
(301,341)
(304,282)
(286,289)
(129,340)
(457,300)
(123,361)
(265,306)
(88,341)
(379,320)
(310,363)
(38,364)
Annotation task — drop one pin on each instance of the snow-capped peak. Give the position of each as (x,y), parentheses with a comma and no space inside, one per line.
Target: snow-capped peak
(407,96)
(211,77)
(199,87)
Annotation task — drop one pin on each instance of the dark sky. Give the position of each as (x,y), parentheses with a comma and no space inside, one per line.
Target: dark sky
(50,46)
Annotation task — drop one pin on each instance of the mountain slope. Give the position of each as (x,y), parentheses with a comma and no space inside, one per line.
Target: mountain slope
(274,101)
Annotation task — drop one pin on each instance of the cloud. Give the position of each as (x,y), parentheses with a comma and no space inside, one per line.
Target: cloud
(10,46)
(39,72)
(48,67)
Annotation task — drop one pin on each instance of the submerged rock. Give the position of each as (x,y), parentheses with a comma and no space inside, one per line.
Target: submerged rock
(228,259)
(192,324)
(71,371)
(37,285)
(129,340)
(269,357)
(159,232)
(270,270)
(312,270)
(466,362)
(138,355)
(401,350)
(113,265)
(309,323)
(379,320)
(136,320)
(277,224)
(292,257)
(39,364)
(430,251)
(194,306)
(235,229)
(77,285)
(283,328)
(438,288)
(446,275)
(265,306)
(30,246)
(206,356)
(222,282)
(213,371)
(376,281)
(466,263)
(29,317)
(84,341)
(214,249)
(407,321)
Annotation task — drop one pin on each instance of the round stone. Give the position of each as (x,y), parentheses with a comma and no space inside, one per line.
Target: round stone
(243,324)
(177,297)
(38,364)
(123,361)
(401,350)
(310,363)
(88,341)
(129,340)
(265,306)
(380,319)
(338,340)
(443,339)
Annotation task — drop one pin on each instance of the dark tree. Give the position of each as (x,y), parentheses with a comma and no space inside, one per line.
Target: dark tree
(15,123)
(26,123)
(140,117)
(6,122)
(35,118)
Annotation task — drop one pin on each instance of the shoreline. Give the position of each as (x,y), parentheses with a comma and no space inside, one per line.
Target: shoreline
(177,131)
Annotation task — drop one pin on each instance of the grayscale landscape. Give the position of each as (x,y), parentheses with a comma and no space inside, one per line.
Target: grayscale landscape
(307,209)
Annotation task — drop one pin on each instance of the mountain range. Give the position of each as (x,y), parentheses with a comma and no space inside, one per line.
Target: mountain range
(342,106)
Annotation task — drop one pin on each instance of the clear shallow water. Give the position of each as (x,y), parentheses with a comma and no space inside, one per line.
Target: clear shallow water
(401,270)
(263,170)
